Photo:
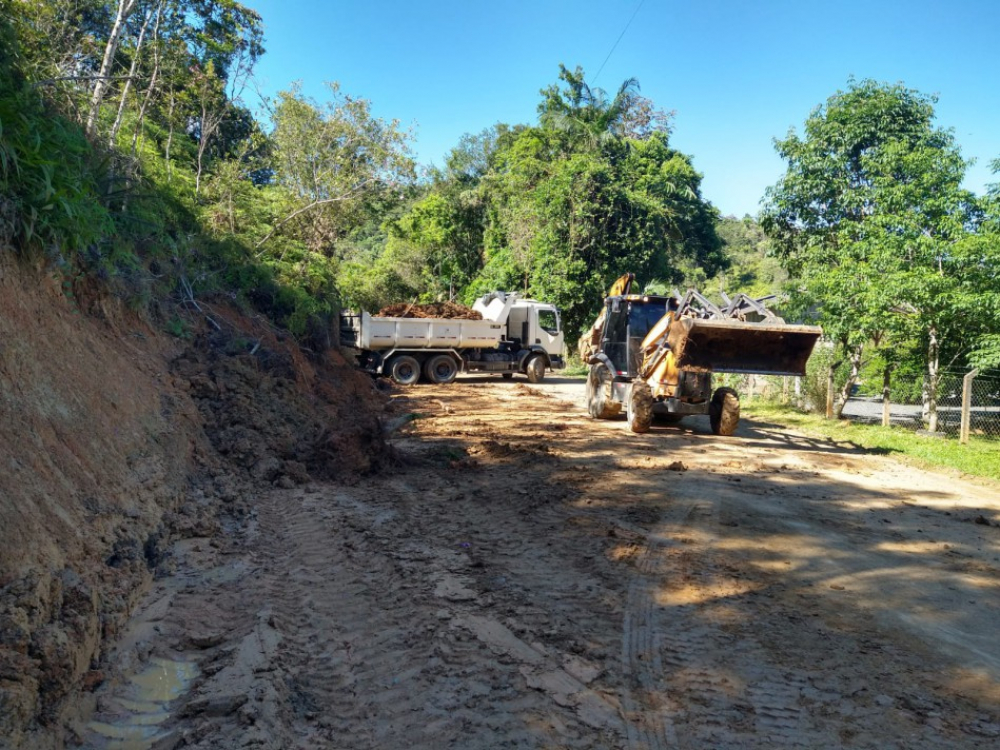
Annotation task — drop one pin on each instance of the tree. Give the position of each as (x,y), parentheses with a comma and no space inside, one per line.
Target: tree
(754,270)
(591,118)
(871,214)
(123,9)
(335,162)
(594,191)
(986,345)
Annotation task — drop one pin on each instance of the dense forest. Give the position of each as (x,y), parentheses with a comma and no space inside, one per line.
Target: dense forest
(133,154)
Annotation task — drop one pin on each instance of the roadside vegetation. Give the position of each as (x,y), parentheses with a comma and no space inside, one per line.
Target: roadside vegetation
(979,458)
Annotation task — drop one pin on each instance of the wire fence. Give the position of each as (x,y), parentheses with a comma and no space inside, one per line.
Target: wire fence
(908,406)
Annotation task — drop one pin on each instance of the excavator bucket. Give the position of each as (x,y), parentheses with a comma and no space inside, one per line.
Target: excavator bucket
(766,348)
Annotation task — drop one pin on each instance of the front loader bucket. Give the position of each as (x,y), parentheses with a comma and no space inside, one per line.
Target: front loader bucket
(733,346)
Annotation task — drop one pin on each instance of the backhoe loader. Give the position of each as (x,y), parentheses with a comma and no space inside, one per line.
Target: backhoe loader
(655,354)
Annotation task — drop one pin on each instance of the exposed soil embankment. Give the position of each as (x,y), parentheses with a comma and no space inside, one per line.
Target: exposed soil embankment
(116,440)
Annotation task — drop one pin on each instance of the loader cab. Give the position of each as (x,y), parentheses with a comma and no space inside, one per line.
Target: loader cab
(628,319)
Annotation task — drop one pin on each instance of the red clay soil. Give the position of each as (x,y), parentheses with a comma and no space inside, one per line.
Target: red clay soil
(115,441)
(430,310)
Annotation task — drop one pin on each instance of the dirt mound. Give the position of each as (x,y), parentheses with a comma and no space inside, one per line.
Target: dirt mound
(117,440)
(430,310)
(278,416)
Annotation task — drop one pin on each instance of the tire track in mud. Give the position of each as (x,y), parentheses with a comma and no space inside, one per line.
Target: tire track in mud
(391,639)
(674,654)
(335,604)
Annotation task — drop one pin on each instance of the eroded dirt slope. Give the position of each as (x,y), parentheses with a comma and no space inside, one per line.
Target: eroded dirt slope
(117,440)
(526,577)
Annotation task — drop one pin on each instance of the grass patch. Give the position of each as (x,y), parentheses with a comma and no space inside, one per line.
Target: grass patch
(575,368)
(980,458)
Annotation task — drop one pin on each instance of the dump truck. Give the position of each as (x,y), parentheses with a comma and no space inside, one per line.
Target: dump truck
(656,354)
(516,335)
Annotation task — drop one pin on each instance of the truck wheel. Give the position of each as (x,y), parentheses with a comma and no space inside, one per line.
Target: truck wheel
(724,411)
(404,369)
(440,369)
(640,407)
(535,369)
(600,399)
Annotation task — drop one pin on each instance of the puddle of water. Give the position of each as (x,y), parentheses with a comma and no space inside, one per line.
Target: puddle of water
(139,707)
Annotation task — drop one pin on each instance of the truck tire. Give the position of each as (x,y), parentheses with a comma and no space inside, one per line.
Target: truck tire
(724,411)
(534,368)
(600,399)
(404,369)
(441,369)
(639,409)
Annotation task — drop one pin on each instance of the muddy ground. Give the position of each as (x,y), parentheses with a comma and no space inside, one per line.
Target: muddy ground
(522,576)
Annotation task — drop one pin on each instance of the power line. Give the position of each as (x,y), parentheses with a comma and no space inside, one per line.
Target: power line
(615,45)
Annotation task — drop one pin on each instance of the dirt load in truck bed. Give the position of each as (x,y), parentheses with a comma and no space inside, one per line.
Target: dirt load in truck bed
(429,310)
(523,576)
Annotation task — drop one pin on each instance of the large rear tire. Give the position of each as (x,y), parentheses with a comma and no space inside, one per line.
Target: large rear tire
(600,399)
(404,369)
(640,407)
(534,368)
(724,411)
(441,369)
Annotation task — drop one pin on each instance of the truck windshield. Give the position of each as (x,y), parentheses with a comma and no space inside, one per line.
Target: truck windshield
(548,321)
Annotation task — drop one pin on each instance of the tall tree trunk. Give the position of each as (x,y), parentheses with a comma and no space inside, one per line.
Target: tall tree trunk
(886,402)
(153,80)
(125,8)
(210,122)
(170,133)
(854,357)
(116,126)
(933,378)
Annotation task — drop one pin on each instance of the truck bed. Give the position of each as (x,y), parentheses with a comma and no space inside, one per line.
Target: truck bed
(363,331)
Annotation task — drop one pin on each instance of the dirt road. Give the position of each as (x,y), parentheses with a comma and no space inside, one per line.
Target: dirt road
(527,577)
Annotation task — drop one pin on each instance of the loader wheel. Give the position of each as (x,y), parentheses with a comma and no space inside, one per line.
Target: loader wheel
(404,369)
(535,369)
(600,401)
(640,407)
(724,411)
(440,369)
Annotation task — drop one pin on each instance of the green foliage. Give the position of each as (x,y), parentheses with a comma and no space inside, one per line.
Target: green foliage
(179,327)
(50,191)
(337,163)
(816,383)
(555,211)
(871,214)
(753,270)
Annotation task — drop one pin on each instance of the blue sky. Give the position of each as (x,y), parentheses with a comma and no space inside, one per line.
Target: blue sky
(736,73)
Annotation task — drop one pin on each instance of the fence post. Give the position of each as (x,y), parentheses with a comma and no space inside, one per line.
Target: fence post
(963,434)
